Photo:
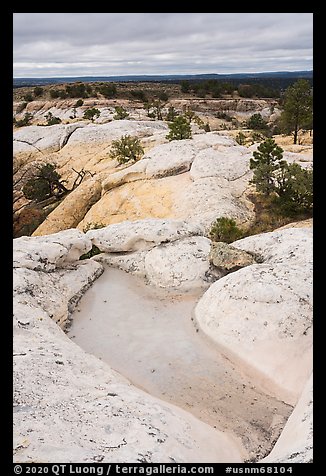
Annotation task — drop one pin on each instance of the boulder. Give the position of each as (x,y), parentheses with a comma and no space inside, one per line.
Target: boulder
(183,263)
(45,253)
(175,197)
(138,200)
(128,174)
(213,139)
(227,258)
(54,293)
(133,262)
(287,245)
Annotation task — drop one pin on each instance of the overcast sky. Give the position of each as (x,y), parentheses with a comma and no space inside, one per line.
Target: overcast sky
(90,44)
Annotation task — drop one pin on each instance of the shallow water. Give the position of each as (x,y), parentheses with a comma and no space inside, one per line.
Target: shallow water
(147,335)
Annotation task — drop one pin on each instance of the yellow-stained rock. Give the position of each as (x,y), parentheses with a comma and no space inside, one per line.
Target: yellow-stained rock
(72,210)
(135,201)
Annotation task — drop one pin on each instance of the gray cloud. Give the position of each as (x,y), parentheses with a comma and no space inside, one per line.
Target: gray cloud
(78,44)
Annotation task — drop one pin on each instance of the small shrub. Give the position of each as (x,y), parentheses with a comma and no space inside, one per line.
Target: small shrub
(224,115)
(294,186)
(62,94)
(93,252)
(120,113)
(126,149)
(256,122)
(179,129)
(25,121)
(91,113)
(289,185)
(172,114)
(93,226)
(38,91)
(51,119)
(240,138)
(28,98)
(256,137)
(163,96)
(185,86)
(21,107)
(37,189)
(225,229)
(202,125)
(266,162)
(108,90)
(54,93)
(76,90)
(79,103)
(139,94)
(45,182)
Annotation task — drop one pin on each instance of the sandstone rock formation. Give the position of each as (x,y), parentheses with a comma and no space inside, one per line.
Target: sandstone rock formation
(184,263)
(168,253)
(160,185)
(39,139)
(155,214)
(46,253)
(197,179)
(71,211)
(70,407)
(261,316)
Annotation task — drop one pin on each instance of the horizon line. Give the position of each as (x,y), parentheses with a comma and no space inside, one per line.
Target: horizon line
(162,74)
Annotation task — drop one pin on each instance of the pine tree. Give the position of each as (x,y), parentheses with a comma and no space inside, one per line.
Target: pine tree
(266,161)
(297,113)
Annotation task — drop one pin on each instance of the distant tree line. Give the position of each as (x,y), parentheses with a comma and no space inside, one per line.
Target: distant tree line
(248,88)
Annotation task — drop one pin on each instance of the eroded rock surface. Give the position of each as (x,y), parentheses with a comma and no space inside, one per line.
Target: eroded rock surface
(168,253)
(295,445)
(183,263)
(259,316)
(72,209)
(198,180)
(98,415)
(142,234)
(46,253)
(262,314)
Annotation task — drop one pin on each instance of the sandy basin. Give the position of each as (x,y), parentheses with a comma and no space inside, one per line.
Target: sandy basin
(147,335)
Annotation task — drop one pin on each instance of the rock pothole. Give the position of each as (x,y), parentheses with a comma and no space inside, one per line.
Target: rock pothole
(146,334)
